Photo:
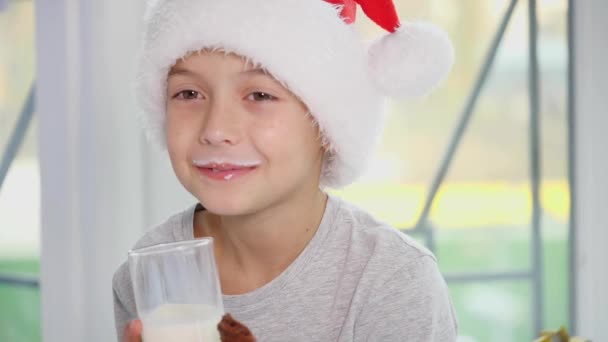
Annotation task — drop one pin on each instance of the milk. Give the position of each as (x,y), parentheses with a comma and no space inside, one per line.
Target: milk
(183,323)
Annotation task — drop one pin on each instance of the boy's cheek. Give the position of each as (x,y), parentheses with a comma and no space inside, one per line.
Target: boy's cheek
(179,134)
(182,116)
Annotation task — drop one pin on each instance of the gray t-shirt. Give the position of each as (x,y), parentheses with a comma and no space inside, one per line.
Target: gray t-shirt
(358,279)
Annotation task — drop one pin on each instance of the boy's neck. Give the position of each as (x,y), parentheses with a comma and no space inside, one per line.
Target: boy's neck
(254,249)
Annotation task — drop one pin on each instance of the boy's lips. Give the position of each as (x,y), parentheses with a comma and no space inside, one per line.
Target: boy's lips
(224,166)
(224,171)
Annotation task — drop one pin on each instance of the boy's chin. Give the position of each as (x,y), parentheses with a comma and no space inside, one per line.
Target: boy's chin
(229,205)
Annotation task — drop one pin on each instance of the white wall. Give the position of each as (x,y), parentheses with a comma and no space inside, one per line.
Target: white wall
(98,177)
(591,270)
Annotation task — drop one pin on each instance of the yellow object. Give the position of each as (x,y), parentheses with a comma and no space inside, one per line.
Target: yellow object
(559,336)
(459,205)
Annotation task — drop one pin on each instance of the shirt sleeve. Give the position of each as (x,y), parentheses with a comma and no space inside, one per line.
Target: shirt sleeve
(124,310)
(413,304)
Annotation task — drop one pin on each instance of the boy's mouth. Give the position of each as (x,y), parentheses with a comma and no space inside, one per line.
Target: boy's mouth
(224,171)
(217,167)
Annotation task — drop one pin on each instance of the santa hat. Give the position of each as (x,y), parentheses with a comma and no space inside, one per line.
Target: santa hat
(312,48)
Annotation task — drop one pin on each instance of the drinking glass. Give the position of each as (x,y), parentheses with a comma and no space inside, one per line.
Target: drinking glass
(177,291)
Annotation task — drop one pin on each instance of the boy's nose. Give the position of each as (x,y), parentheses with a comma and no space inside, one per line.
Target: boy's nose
(220,126)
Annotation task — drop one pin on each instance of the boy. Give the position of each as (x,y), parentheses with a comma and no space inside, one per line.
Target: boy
(261,106)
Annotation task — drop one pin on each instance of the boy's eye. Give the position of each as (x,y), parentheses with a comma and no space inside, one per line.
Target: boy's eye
(260,96)
(187,95)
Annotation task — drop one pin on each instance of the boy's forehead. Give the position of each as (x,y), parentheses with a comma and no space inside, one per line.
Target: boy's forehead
(196,60)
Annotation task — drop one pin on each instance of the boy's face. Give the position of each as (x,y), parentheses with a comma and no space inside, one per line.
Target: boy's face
(238,140)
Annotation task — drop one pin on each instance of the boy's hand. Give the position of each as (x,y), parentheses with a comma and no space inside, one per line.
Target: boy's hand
(133,331)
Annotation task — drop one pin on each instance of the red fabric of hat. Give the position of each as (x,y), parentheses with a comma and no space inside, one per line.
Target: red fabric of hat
(382,12)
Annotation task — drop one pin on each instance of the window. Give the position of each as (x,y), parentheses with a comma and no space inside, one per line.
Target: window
(19,177)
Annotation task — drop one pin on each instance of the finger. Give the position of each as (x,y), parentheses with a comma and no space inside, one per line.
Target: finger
(133,331)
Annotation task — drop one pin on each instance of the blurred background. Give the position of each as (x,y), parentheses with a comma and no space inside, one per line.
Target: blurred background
(481,171)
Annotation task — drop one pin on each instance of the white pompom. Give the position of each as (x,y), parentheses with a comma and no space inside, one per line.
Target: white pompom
(412,61)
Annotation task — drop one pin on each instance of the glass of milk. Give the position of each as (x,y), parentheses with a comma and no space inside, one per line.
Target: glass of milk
(177,291)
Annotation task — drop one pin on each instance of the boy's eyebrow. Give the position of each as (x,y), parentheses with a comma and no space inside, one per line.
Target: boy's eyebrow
(256,71)
(181,71)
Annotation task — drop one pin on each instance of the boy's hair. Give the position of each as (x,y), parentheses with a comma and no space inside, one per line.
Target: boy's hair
(311,49)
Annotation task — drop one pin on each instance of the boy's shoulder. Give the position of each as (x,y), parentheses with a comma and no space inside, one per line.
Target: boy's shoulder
(374,238)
